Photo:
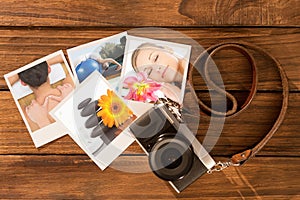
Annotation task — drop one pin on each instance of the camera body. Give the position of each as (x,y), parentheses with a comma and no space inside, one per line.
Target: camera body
(175,155)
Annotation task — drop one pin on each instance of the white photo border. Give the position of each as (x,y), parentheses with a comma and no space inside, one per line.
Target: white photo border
(134,41)
(56,129)
(116,147)
(88,48)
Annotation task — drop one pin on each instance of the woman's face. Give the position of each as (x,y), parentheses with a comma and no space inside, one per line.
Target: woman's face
(159,64)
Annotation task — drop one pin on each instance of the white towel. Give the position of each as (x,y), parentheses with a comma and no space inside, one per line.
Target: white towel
(57,74)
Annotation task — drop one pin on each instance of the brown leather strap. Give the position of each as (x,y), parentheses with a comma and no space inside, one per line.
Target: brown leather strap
(242,47)
(207,56)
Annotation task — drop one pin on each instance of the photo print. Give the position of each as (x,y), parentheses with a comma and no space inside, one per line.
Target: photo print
(98,119)
(37,88)
(104,55)
(154,69)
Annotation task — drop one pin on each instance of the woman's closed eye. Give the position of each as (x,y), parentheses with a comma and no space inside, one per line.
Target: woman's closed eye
(156,58)
(148,70)
(153,57)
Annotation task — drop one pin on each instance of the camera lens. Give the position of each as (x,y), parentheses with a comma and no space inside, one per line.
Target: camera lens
(171,158)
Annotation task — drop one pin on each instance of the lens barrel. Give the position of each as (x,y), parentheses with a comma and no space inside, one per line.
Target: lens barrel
(171,158)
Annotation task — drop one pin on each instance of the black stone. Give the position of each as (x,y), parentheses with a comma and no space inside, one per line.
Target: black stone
(84,103)
(98,131)
(90,109)
(92,121)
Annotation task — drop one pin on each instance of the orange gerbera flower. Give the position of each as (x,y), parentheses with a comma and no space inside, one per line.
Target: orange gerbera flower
(114,111)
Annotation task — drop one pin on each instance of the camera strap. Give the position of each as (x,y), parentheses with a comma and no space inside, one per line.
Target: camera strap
(202,63)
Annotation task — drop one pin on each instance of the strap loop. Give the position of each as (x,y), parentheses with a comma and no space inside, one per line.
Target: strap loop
(240,158)
(206,56)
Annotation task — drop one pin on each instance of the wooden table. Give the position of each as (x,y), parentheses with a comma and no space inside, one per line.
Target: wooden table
(33,29)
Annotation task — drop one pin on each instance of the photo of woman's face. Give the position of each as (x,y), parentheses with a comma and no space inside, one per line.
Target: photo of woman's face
(159,64)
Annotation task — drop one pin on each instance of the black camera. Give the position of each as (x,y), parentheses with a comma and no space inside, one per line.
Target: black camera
(175,155)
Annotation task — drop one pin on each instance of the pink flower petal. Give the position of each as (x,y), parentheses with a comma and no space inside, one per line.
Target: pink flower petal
(141,76)
(130,95)
(141,88)
(152,97)
(129,81)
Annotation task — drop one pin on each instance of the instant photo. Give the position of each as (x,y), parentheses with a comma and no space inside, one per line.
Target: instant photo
(98,119)
(37,88)
(154,69)
(104,55)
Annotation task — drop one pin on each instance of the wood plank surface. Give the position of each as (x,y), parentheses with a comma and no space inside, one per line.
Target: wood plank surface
(19,47)
(76,177)
(30,30)
(256,120)
(149,13)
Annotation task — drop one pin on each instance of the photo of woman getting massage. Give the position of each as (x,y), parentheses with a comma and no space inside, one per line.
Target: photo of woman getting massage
(39,87)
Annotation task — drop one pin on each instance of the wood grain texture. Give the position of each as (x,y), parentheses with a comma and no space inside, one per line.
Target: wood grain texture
(76,177)
(20,47)
(149,13)
(256,120)
(30,30)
